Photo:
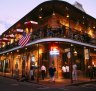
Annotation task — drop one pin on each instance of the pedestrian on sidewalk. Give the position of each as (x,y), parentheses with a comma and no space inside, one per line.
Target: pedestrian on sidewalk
(67,71)
(43,71)
(74,71)
(64,71)
(52,71)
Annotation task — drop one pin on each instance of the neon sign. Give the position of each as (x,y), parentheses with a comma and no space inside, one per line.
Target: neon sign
(54,51)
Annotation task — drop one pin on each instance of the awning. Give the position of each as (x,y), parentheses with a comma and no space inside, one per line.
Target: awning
(11,36)
(4,40)
(31,24)
(1,43)
(18,31)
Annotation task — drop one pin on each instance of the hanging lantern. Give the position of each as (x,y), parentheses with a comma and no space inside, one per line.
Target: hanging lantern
(40,17)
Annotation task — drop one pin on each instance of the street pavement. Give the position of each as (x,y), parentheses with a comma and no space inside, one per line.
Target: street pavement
(7,84)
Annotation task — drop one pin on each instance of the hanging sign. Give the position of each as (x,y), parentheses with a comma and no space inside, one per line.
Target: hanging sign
(54,50)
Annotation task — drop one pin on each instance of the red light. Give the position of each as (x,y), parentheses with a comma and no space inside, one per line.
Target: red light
(54,50)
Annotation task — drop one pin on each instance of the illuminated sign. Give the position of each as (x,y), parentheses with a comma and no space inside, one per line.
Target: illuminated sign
(54,51)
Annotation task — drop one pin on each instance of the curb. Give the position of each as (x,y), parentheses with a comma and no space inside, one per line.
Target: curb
(73,84)
(81,83)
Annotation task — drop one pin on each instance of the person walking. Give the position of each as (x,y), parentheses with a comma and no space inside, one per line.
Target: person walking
(43,71)
(64,71)
(67,71)
(74,71)
(52,71)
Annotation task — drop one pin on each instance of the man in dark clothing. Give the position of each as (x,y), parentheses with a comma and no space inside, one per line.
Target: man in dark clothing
(52,73)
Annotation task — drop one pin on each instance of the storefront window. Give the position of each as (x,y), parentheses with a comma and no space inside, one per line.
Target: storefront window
(33,61)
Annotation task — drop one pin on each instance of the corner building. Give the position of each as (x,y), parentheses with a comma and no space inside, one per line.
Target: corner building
(60,34)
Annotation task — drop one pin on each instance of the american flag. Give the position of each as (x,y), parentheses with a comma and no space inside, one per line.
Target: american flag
(24,40)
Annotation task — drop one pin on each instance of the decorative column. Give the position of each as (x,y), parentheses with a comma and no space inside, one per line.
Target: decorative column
(87,58)
(71,61)
(38,64)
(12,60)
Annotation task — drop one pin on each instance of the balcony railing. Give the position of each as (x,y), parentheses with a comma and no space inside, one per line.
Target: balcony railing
(56,33)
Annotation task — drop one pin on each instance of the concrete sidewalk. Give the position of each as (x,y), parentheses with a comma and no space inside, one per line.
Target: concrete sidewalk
(58,82)
(63,82)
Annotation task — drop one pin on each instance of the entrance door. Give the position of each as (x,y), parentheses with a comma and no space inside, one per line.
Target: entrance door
(44,60)
(55,60)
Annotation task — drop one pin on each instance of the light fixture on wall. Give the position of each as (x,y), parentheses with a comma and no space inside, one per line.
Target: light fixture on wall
(67,16)
(93,63)
(17,50)
(75,52)
(83,22)
(94,27)
(40,13)
(40,17)
(67,8)
(94,49)
(7,53)
(25,48)
(40,9)
(83,17)
(53,13)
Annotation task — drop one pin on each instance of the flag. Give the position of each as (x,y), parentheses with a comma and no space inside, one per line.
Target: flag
(24,40)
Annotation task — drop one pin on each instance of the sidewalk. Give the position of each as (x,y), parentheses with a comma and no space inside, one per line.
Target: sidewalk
(63,82)
(58,82)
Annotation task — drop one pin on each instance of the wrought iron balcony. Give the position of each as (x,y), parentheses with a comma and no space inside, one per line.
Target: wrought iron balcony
(56,33)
